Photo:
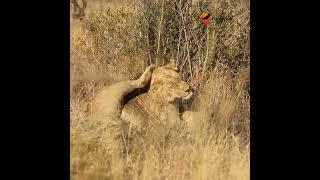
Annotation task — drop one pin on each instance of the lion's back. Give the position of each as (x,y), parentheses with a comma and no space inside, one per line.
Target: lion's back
(137,110)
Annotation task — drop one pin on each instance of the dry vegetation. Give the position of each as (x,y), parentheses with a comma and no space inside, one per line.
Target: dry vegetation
(117,40)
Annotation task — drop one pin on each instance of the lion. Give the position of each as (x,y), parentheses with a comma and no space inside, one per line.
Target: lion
(158,105)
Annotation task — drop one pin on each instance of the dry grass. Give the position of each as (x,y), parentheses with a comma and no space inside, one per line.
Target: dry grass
(117,41)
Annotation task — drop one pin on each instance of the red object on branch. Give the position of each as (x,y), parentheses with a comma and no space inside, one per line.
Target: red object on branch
(205,18)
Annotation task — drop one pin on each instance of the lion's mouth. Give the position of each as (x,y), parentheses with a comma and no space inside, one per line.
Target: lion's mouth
(189,94)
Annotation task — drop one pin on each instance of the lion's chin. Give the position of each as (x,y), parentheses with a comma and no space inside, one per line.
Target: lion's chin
(188,96)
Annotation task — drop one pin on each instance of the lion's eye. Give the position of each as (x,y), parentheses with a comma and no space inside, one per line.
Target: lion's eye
(171,84)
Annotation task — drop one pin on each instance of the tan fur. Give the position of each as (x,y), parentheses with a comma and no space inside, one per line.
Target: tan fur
(108,101)
(158,104)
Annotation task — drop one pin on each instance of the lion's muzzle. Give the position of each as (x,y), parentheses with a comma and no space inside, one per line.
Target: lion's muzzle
(190,93)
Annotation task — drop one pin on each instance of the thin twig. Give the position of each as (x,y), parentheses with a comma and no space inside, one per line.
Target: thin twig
(159,32)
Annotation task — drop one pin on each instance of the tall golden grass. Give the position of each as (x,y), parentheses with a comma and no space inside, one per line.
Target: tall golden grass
(114,42)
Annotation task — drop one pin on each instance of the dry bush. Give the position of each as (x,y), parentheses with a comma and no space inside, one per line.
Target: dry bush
(116,42)
(103,49)
(172,31)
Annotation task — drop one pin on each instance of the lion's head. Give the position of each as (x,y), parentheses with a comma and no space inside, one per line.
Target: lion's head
(167,84)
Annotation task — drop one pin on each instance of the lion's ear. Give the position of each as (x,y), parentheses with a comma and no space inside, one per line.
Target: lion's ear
(156,87)
(171,66)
